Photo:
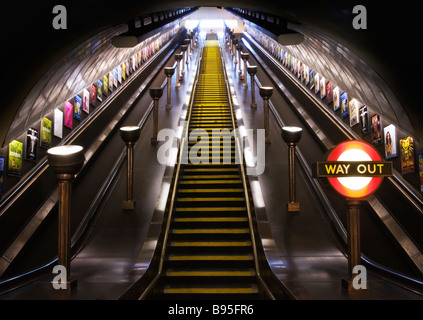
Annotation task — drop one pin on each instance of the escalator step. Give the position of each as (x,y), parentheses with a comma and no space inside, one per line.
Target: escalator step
(245,257)
(210,231)
(222,289)
(210,243)
(210,273)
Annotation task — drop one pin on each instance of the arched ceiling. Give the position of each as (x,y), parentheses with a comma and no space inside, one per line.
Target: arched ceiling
(31,45)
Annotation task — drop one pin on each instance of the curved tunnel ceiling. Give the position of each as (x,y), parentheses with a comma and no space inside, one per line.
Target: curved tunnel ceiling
(33,45)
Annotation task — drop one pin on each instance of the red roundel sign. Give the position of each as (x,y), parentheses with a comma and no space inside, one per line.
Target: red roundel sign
(354,169)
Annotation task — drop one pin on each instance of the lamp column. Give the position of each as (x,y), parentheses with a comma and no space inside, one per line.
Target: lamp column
(178,58)
(292,135)
(169,71)
(252,70)
(266,93)
(183,49)
(156,94)
(244,57)
(129,135)
(66,161)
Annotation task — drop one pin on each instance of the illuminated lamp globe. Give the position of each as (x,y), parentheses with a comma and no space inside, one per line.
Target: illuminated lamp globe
(67,159)
(130,133)
(292,134)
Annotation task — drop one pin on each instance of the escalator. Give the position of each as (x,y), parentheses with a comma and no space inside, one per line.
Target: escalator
(209,244)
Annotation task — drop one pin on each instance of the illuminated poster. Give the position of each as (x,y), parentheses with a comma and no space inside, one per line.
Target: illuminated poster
(120,74)
(1,174)
(133,63)
(316,83)
(390,137)
(329,91)
(31,144)
(68,114)
(354,115)
(376,129)
(364,120)
(127,68)
(85,101)
(77,110)
(407,155)
(322,87)
(302,72)
(336,99)
(99,90)
(421,170)
(15,158)
(298,71)
(93,94)
(307,75)
(115,77)
(311,79)
(123,71)
(58,123)
(46,126)
(105,84)
(344,105)
(111,81)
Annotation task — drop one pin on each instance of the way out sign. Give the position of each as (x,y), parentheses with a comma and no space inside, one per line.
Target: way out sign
(354,169)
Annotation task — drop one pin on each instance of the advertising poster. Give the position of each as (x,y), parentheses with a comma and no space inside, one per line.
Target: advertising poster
(31,144)
(336,99)
(390,137)
(329,91)
(58,123)
(86,101)
(99,90)
(322,87)
(68,114)
(407,155)
(1,174)
(105,84)
(420,170)
(298,72)
(46,126)
(307,75)
(376,129)
(364,120)
(316,83)
(15,158)
(344,105)
(127,68)
(311,79)
(93,94)
(77,110)
(354,115)
(111,81)
(120,74)
(123,72)
(115,77)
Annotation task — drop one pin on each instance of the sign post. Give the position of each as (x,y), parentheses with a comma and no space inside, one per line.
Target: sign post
(355,170)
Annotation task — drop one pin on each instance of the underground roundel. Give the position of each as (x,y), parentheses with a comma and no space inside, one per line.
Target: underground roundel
(354,169)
